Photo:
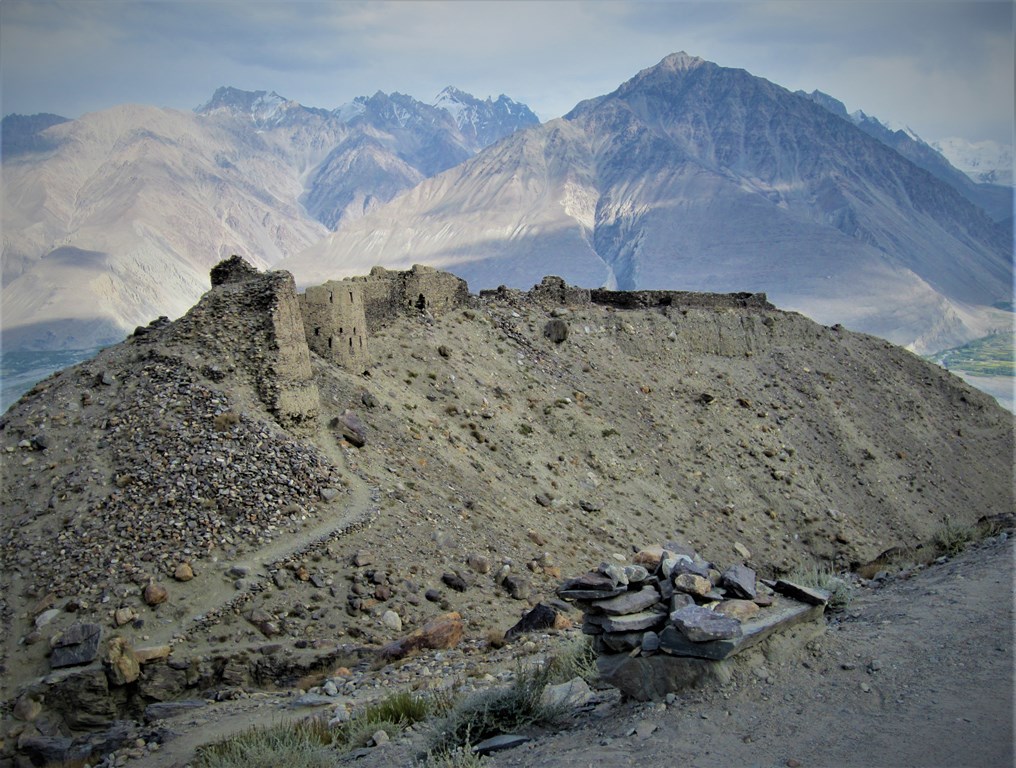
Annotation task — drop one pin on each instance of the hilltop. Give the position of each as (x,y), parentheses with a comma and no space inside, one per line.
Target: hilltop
(250,511)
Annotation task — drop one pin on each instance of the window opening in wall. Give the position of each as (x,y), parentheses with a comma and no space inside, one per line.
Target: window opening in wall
(421,303)
(331,297)
(329,342)
(317,331)
(350,297)
(350,342)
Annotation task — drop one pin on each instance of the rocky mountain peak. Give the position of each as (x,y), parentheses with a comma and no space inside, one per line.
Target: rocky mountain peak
(485,120)
(680,62)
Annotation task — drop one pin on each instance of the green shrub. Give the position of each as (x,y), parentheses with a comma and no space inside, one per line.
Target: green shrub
(391,714)
(493,712)
(459,757)
(952,539)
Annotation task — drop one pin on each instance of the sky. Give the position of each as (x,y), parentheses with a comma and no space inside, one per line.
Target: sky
(943,68)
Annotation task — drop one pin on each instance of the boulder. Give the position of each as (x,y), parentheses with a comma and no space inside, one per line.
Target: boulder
(651,678)
(444,631)
(701,625)
(628,602)
(77,645)
(122,665)
(739,580)
(542,616)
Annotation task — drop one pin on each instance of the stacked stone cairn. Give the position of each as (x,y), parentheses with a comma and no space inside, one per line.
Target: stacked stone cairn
(671,600)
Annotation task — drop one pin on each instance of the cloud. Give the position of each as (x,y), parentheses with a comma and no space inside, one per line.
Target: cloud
(943,66)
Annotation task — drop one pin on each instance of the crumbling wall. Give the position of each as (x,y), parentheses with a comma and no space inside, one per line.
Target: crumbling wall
(340,315)
(650,299)
(252,321)
(554,290)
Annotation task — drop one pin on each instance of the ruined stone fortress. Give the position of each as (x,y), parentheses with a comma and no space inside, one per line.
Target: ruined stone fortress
(340,315)
(267,329)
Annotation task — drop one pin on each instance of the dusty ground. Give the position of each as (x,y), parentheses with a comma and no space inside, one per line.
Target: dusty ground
(917,672)
(754,427)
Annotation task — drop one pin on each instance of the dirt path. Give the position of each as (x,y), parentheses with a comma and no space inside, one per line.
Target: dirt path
(350,508)
(918,673)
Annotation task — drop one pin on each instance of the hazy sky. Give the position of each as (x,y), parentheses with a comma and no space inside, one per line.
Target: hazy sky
(942,67)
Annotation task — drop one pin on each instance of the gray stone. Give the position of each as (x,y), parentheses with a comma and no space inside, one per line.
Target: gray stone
(804,594)
(687,565)
(636,574)
(454,581)
(621,642)
(739,580)
(651,678)
(631,623)
(590,594)
(572,694)
(615,573)
(679,600)
(83,699)
(352,429)
(650,642)
(499,744)
(629,602)
(162,710)
(517,587)
(781,617)
(79,644)
(700,624)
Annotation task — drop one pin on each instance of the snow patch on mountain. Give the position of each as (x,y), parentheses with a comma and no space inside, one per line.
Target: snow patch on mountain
(987,162)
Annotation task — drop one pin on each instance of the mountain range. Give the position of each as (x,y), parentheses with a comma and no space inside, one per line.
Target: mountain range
(114,218)
(689,176)
(694,176)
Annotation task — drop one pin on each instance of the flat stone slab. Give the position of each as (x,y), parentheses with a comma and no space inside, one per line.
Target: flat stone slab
(784,614)
(629,602)
(590,594)
(797,592)
(631,623)
(500,743)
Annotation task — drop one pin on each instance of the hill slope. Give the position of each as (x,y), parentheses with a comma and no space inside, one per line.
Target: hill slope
(711,420)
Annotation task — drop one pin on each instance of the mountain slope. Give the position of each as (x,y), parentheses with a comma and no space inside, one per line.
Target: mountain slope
(995,198)
(710,421)
(115,218)
(698,177)
(121,220)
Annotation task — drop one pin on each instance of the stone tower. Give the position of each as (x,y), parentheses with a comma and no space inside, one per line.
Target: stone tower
(335,323)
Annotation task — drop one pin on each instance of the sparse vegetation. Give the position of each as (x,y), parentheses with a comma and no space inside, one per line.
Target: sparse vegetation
(952,539)
(577,659)
(495,711)
(840,590)
(313,743)
(296,745)
(224,421)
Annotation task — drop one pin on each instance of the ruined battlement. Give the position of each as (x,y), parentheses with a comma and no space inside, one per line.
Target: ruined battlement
(340,315)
